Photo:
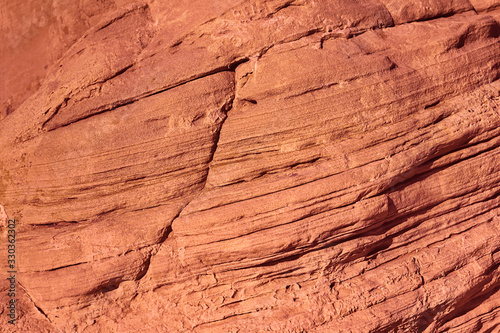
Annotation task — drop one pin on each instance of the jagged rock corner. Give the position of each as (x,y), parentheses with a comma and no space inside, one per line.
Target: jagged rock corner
(253,166)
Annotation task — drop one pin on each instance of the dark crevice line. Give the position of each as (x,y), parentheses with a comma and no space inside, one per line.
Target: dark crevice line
(39,309)
(111,181)
(167,231)
(55,224)
(426,169)
(118,73)
(405,176)
(464,303)
(417,223)
(439,16)
(102,110)
(388,223)
(230,66)
(126,148)
(409,96)
(249,154)
(224,318)
(100,259)
(474,296)
(112,76)
(110,107)
(55,112)
(331,212)
(62,267)
(121,16)
(336,239)
(471,322)
(300,251)
(279,190)
(277,169)
(149,207)
(428,106)
(483,212)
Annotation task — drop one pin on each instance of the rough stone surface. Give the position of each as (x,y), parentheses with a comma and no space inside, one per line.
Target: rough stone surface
(259,166)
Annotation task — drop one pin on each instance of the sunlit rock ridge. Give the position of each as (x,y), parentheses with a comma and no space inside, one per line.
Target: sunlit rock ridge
(252,166)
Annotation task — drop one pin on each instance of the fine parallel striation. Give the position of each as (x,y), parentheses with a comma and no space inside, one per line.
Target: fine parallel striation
(284,165)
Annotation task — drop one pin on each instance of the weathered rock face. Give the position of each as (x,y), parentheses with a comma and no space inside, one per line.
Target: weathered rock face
(287,166)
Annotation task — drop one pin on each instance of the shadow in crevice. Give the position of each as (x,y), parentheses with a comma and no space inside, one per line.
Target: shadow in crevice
(475,296)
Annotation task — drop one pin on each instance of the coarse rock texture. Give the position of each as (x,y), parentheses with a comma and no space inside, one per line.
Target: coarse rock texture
(260,166)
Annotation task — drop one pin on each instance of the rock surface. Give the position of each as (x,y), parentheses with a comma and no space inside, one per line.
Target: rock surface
(283,166)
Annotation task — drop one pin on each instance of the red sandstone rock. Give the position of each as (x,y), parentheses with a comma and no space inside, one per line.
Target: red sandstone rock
(287,166)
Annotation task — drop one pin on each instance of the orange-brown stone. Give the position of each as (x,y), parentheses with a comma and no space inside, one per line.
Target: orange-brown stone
(261,166)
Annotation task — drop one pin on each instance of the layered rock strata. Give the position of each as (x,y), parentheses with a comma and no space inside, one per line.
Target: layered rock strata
(287,166)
